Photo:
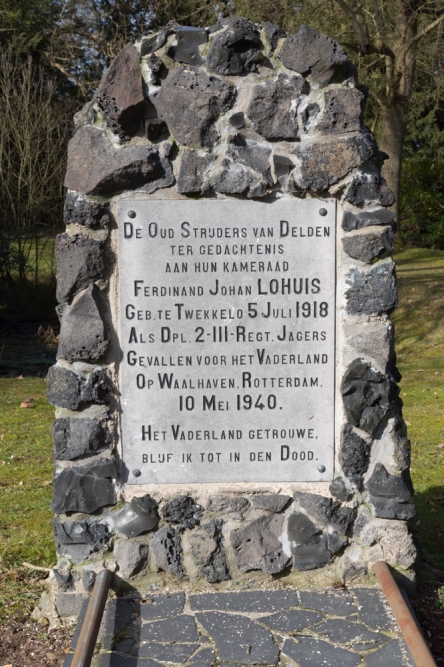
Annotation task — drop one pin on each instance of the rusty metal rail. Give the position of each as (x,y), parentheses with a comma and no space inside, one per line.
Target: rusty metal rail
(91,624)
(413,637)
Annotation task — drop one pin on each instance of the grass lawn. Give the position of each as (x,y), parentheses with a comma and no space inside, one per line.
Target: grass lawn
(25,438)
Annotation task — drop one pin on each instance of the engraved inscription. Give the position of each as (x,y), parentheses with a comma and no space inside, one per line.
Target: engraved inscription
(227,324)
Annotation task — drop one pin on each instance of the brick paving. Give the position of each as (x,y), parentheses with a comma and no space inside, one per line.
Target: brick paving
(331,628)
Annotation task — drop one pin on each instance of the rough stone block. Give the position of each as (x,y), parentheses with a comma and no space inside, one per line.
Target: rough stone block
(300,529)
(81,211)
(78,437)
(79,262)
(237,49)
(208,551)
(272,34)
(374,340)
(167,551)
(139,517)
(235,178)
(232,506)
(239,639)
(368,396)
(64,580)
(63,387)
(162,606)
(312,555)
(88,580)
(317,506)
(340,490)
(96,167)
(343,111)
(354,455)
(83,334)
(120,93)
(76,553)
(85,488)
(97,387)
(183,511)
(362,219)
(271,502)
(192,171)
(369,188)
(311,54)
(69,604)
(393,536)
(186,49)
(131,557)
(251,154)
(372,291)
(190,102)
(257,546)
(390,495)
(152,43)
(273,106)
(369,243)
(80,532)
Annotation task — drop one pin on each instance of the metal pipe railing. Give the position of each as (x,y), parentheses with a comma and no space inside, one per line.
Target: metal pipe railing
(91,624)
(407,624)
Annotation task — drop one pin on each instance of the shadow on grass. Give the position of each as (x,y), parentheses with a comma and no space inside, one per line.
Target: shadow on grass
(428,526)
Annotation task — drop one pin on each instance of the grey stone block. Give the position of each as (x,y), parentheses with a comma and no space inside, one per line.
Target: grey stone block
(182,510)
(340,490)
(384,485)
(119,614)
(337,603)
(239,639)
(300,529)
(131,557)
(82,211)
(162,606)
(372,610)
(228,505)
(69,604)
(83,333)
(249,601)
(362,219)
(237,49)
(137,518)
(208,551)
(188,40)
(234,178)
(272,108)
(310,53)
(80,532)
(154,42)
(97,388)
(167,551)
(78,437)
(311,652)
(120,93)
(192,171)
(369,243)
(175,629)
(80,262)
(63,387)
(96,167)
(343,111)
(190,102)
(64,580)
(312,555)
(369,188)
(391,509)
(257,546)
(335,542)
(88,579)
(77,553)
(317,506)
(354,455)
(395,652)
(251,154)
(355,635)
(85,488)
(271,502)
(177,653)
(272,34)
(368,396)
(290,621)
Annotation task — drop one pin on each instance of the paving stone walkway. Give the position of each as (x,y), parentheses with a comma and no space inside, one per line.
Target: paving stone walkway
(332,628)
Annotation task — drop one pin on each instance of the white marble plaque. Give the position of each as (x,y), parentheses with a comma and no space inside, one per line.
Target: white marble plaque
(227,334)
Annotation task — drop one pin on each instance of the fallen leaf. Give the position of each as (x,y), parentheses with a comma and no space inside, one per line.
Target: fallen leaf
(46,483)
(440,446)
(26,404)
(5,665)
(66,650)
(44,621)
(20,484)
(20,377)
(51,656)
(408,424)
(2,435)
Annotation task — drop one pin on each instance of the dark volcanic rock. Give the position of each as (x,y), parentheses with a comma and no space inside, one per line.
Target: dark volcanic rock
(343,111)
(325,163)
(239,639)
(335,542)
(137,518)
(312,555)
(342,517)
(237,49)
(97,388)
(96,167)
(257,546)
(273,108)
(339,489)
(152,43)
(271,502)
(381,216)
(63,387)
(251,154)
(272,34)
(188,42)
(120,93)
(370,243)
(167,551)
(83,334)
(354,455)
(310,53)
(80,532)
(85,488)
(78,437)
(182,510)
(79,262)
(192,171)
(131,557)
(391,509)
(231,505)
(208,551)
(88,580)
(64,581)
(369,188)
(81,211)
(368,396)
(372,291)
(391,494)
(300,529)
(235,178)
(190,102)
(318,507)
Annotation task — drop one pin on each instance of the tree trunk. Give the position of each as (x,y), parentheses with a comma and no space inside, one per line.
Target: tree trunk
(393,128)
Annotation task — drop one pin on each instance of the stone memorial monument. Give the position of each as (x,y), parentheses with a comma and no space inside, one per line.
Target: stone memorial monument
(227,413)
